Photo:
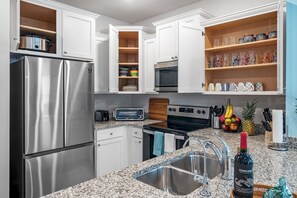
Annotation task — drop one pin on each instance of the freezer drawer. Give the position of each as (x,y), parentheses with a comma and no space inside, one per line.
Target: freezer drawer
(53,172)
(43,83)
(79,105)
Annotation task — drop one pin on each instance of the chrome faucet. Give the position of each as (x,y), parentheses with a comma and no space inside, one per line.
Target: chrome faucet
(201,179)
(223,156)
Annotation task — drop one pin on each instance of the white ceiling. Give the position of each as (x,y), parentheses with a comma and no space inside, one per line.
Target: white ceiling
(130,11)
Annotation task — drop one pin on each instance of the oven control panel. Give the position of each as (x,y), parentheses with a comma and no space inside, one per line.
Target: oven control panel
(189,111)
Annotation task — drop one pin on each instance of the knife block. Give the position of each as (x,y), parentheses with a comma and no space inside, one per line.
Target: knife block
(268,138)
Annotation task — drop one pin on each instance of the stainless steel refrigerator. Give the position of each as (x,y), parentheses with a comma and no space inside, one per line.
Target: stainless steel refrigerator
(51,125)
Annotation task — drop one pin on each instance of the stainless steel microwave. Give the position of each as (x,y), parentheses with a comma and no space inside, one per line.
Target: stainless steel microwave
(166,76)
(123,113)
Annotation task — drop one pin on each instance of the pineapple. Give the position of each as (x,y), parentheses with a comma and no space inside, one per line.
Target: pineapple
(248,114)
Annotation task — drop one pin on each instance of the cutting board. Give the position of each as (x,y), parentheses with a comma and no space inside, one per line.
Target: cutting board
(158,108)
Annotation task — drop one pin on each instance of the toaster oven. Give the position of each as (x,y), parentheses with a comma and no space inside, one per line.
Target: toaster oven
(122,114)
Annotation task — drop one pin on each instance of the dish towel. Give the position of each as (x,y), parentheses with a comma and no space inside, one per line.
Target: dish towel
(158,143)
(169,143)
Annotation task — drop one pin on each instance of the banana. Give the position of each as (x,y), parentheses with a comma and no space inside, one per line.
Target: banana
(229,109)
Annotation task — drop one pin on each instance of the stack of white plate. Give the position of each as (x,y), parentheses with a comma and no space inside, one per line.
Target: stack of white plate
(130,88)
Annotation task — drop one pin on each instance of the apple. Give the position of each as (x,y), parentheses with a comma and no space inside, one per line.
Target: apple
(225,127)
(222,118)
(237,119)
(233,120)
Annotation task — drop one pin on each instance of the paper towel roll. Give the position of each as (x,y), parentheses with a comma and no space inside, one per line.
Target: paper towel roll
(277,126)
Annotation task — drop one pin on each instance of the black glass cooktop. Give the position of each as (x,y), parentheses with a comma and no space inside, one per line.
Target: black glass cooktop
(178,128)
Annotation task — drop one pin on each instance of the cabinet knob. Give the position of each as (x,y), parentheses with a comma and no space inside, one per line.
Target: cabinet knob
(135,132)
(172,57)
(65,52)
(110,133)
(98,144)
(175,57)
(139,142)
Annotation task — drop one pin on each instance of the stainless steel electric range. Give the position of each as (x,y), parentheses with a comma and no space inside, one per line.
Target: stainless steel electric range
(181,120)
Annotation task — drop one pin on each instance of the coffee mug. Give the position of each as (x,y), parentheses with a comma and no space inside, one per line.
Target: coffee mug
(211,87)
(259,86)
(218,87)
(241,86)
(225,86)
(233,86)
(249,86)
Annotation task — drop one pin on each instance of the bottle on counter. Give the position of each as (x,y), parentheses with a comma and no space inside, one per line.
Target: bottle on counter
(243,170)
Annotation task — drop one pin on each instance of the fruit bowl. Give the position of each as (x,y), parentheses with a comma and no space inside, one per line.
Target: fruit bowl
(230,122)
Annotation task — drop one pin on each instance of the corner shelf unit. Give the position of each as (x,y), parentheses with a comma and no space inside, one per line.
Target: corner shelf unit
(265,72)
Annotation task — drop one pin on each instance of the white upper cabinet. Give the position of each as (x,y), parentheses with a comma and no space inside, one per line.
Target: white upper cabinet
(126,59)
(101,65)
(191,56)
(113,59)
(69,32)
(167,36)
(78,35)
(150,59)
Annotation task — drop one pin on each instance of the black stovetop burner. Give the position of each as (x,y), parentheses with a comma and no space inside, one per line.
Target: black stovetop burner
(182,120)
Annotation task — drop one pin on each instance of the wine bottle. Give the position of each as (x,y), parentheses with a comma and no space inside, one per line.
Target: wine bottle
(243,170)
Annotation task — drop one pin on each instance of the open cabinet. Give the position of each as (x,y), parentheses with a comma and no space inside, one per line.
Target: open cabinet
(125,59)
(33,21)
(234,53)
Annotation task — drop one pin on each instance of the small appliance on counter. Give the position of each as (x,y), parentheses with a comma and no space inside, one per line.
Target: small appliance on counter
(35,42)
(101,115)
(126,113)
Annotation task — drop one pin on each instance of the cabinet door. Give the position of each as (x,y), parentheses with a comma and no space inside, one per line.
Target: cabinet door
(150,58)
(281,21)
(78,35)
(167,35)
(109,155)
(14,24)
(113,59)
(190,63)
(136,150)
(101,66)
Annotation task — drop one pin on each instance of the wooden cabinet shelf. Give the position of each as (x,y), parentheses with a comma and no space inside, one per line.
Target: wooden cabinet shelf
(262,43)
(39,30)
(128,77)
(242,67)
(128,64)
(128,50)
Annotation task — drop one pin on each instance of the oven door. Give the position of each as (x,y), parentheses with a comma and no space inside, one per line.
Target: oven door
(148,143)
(166,77)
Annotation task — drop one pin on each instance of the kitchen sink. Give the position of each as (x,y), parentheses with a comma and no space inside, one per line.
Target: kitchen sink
(170,179)
(196,162)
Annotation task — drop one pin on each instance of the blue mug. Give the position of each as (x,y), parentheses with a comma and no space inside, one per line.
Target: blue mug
(225,86)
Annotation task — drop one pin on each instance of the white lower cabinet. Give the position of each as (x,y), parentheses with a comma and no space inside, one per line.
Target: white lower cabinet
(109,155)
(136,151)
(117,148)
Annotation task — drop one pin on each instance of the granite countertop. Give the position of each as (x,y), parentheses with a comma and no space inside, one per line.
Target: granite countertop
(113,123)
(269,166)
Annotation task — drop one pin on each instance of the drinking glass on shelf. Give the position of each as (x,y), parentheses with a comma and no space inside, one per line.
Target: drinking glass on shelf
(211,61)
(217,42)
(273,56)
(232,40)
(227,59)
(252,57)
(225,41)
(235,59)
(266,56)
(243,58)
(219,60)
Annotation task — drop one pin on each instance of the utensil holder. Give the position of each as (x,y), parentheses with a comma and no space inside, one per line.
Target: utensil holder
(216,122)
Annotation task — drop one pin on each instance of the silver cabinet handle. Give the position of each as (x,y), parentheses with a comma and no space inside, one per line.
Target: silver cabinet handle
(110,133)
(65,52)
(135,132)
(172,57)
(139,141)
(175,57)
(99,145)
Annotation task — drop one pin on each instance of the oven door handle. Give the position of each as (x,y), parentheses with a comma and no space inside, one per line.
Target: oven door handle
(178,137)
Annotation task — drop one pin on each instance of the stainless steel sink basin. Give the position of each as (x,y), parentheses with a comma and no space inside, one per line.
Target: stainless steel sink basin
(195,162)
(170,179)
